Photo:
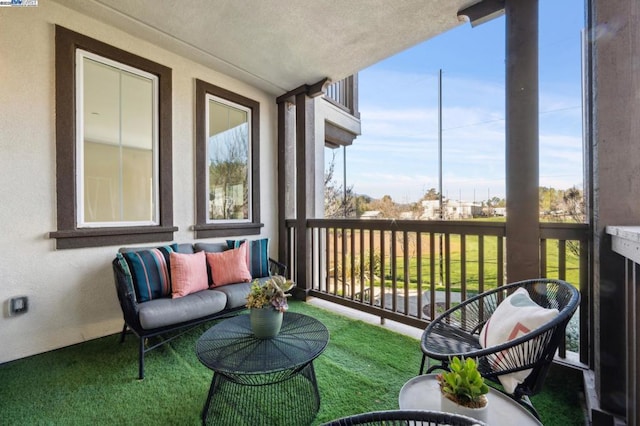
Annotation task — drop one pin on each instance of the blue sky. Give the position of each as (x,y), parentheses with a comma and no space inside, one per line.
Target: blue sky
(397,153)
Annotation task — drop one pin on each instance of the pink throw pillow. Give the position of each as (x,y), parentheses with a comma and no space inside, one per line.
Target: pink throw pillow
(188,273)
(229,267)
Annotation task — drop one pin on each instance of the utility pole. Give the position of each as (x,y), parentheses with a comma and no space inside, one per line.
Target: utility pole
(344,179)
(440,142)
(440,172)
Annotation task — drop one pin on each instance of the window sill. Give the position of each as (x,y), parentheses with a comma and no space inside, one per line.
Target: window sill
(227,230)
(98,237)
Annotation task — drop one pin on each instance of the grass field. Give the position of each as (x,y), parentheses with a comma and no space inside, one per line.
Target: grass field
(478,269)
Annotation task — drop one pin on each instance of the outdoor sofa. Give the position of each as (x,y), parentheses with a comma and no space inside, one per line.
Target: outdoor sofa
(155,305)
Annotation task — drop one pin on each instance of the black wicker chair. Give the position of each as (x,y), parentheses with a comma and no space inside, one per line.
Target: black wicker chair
(456,333)
(406,417)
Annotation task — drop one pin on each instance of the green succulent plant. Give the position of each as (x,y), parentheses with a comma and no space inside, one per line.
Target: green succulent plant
(463,384)
(271,293)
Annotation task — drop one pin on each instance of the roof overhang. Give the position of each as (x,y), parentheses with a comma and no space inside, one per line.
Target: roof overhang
(279,45)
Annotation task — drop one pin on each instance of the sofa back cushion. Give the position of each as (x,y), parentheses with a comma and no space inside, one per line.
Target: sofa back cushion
(188,273)
(210,247)
(148,271)
(229,267)
(257,256)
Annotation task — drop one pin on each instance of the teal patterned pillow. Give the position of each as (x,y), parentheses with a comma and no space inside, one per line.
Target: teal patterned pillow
(149,271)
(257,255)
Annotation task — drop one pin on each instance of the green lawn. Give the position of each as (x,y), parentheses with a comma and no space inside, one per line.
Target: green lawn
(481,265)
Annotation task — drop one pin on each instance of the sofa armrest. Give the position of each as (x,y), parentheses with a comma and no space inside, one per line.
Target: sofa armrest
(277,268)
(126,296)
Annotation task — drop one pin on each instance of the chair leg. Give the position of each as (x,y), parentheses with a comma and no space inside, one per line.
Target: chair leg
(424,358)
(124,333)
(141,359)
(444,366)
(526,403)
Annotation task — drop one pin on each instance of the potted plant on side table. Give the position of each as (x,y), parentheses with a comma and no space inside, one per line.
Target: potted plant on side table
(267,303)
(463,390)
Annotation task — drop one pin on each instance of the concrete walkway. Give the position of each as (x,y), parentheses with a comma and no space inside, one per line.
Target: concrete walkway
(407,330)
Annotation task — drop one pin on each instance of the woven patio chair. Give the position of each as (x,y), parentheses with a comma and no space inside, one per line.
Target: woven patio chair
(456,333)
(406,417)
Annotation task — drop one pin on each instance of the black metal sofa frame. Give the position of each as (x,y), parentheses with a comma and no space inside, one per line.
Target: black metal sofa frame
(131,308)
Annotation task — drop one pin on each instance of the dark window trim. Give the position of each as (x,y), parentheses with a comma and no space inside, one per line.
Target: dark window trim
(68,234)
(226,229)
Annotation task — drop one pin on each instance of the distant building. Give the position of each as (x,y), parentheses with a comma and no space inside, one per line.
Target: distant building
(407,216)
(371,214)
(430,210)
(455,210)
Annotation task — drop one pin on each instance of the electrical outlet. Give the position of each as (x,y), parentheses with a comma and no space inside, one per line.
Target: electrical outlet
(18,305)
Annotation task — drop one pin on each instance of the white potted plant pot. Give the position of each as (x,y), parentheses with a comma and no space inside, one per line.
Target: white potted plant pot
(449,406)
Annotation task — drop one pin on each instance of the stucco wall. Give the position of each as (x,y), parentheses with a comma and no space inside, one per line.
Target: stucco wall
(71,292)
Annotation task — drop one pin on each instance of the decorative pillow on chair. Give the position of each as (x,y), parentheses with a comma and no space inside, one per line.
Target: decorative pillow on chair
(188,273)
(516,316)
(229,267)
(257,255)
(148,271)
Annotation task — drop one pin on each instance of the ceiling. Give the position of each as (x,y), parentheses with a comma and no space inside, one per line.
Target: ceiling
(278,45)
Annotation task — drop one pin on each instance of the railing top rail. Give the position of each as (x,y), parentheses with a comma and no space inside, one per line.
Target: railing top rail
(429,226)
(560,231)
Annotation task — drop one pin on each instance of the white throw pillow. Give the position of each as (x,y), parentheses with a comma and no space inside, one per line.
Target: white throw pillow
(516,316)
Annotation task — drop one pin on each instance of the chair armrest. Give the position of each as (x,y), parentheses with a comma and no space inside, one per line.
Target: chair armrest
(277,268)
(126,296)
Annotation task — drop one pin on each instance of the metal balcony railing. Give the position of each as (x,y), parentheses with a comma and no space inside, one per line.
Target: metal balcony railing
(410,271)
(344,94)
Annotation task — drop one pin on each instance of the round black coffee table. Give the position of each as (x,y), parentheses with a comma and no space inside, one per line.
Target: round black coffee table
(262,381)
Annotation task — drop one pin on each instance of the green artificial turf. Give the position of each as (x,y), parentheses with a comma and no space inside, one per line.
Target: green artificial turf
(362,369)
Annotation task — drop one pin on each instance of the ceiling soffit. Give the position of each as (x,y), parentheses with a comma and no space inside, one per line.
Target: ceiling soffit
(279,45)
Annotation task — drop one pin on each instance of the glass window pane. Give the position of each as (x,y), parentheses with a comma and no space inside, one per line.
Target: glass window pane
(228,161)
(119,138)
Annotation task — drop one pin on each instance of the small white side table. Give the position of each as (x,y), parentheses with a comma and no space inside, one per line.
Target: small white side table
(423,393)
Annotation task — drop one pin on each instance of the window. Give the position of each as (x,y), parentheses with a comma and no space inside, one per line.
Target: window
(116,142)
(227,163)
(113,145)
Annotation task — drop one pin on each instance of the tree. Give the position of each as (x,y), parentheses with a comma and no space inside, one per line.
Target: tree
(337,202)
(386,206)
(228,174)
(431,194)
(574,204)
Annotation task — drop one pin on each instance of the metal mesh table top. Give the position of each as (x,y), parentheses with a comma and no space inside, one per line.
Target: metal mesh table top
(230,346)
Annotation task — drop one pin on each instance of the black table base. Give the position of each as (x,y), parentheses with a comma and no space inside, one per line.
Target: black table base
(262,381)
(289,398)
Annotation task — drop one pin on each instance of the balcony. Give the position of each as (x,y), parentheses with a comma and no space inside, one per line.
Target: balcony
(410,271)
(344,94)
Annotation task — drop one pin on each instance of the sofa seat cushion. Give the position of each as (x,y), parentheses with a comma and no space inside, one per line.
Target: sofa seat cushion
(237,293)
(166,311)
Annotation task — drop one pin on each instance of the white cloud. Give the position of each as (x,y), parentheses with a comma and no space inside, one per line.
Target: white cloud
(397,153)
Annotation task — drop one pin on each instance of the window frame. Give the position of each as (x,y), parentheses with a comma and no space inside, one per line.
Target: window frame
(69,234)
(80,147)
(204,228)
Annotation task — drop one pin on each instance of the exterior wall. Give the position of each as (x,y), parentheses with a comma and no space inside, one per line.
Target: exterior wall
(71,293)
(325,111)
(616,180)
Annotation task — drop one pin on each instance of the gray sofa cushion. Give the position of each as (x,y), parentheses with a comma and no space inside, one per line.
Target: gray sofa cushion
(237,293)
(167,311)
(210,247)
